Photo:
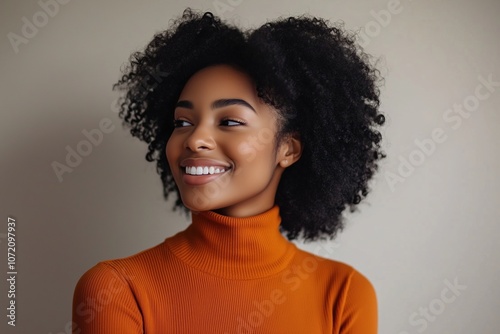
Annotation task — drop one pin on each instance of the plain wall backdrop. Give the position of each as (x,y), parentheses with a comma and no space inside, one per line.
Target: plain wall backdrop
(426,236)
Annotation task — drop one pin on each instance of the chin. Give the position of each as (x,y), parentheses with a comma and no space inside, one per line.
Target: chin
(199,202)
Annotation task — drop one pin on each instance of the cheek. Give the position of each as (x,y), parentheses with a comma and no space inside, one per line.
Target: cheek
(171,149)
(254,159)
(251,147)
(246,152)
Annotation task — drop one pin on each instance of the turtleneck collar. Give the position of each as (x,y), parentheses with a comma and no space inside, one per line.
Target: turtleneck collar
(234,247)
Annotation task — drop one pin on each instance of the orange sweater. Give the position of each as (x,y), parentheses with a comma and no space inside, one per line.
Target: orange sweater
(225,275)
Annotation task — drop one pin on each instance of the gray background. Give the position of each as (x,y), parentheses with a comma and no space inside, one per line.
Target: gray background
(437,224)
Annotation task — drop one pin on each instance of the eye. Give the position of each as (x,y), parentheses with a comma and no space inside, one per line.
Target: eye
(231,122)
(179,123)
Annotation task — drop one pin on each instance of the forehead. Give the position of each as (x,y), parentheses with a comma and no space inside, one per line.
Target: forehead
(219,80)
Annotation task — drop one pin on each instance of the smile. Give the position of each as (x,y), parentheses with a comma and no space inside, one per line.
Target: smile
(196,176)
(207,170)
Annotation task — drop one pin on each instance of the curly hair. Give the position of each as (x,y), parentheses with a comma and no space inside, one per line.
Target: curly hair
(312,72)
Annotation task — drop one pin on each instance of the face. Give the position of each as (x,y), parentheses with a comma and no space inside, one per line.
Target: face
(222,152)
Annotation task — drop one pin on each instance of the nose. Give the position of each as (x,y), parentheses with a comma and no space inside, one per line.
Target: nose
(200,139)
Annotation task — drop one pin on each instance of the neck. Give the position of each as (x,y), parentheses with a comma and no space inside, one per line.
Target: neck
(234,247)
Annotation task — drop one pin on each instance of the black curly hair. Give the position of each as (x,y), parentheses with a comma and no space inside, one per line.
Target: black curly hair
(320,81)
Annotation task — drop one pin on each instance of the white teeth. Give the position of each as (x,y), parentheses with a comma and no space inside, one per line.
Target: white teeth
(203,170)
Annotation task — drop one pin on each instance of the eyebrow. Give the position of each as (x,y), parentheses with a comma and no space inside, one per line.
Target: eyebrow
(216,104)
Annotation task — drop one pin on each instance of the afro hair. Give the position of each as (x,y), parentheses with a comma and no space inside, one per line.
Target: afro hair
(312,72)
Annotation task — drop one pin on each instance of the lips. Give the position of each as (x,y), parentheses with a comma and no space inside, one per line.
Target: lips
(196,180)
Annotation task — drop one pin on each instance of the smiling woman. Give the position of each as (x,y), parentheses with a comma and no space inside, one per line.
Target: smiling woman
(265,136)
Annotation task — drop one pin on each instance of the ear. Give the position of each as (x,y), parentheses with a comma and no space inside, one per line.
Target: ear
(290,150)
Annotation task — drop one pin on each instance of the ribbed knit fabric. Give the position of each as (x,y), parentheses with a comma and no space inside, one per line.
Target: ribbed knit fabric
(225,275)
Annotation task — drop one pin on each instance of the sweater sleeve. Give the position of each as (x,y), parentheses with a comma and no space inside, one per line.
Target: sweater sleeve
(360,315)
(104,303)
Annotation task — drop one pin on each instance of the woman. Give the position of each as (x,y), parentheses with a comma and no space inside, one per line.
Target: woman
(261,134)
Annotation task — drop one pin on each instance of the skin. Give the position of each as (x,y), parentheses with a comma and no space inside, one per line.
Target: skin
(234,134)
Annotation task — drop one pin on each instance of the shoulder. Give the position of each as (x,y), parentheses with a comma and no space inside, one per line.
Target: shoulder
(101,276)
(100,284)
(103,303)
(344,277)
(121,272)
(339,271)
(356,306)
(349,292)
(105,297)
(359,307)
